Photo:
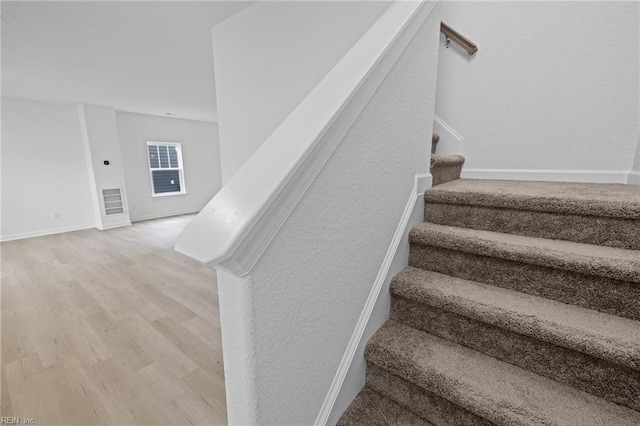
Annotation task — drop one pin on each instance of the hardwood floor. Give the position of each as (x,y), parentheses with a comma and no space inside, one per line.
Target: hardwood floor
(110,328)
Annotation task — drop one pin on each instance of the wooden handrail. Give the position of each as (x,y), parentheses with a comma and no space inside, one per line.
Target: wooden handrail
(458,38)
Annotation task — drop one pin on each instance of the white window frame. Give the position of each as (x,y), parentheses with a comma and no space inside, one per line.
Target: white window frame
(180,168)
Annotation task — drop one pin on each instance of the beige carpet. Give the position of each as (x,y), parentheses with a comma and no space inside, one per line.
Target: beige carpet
(520,306)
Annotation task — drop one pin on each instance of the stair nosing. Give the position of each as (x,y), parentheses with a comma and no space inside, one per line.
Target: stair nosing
(446,160)
(451,194)
(619,264)
(550,328)
(469,378)
(368,394)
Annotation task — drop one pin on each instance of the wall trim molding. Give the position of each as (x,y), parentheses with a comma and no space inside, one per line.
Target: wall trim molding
(113,225)
(633,178)
(45,232)
(53,231)
(162,215)
(422,182)
(560,175)
(451,142)
(238,224)
(447,127)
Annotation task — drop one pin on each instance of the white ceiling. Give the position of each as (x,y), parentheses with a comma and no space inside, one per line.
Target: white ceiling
(146,57)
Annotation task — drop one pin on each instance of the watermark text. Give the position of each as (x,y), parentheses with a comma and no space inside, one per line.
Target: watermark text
(4,420)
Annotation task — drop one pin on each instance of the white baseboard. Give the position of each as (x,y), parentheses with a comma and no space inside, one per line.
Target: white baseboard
(633,178)
(596,176)
(450,141)
(349,378)
(42,233)
(114,225)
(161,215)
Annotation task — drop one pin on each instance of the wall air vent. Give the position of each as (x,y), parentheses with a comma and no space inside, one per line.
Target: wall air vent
(113,203)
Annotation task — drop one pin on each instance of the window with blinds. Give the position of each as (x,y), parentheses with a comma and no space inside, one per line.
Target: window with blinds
(165,165)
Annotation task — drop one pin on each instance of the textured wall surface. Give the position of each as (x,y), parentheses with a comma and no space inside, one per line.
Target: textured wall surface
(636,163)
(268,57)
(551,86)
(634,175)
(200,157)
(309,288)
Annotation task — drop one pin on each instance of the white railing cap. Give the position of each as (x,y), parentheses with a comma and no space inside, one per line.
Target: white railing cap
(236,226)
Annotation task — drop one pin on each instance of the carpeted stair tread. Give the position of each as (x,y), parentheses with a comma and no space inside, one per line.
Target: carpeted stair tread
(423,403)
(604,336)
(607,262)
(590,199)
(372,409)
(446,160)
(492,389)
(599,230)
(445,168)
(520,307)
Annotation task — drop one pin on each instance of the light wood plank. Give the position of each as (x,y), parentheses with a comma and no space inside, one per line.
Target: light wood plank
(110,328)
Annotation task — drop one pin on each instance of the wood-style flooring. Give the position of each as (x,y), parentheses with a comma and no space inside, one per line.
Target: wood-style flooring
(110,328)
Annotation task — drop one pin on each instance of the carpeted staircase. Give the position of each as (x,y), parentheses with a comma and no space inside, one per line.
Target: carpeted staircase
(520,306)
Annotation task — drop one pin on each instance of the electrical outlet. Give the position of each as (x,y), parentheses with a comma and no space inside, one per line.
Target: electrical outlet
(56,215)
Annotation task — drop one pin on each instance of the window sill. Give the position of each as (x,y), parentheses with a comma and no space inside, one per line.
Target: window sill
(168,194)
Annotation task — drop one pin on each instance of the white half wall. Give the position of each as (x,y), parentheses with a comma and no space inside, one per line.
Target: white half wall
(201,161)
(268,57)
(45,182)
(553,87)
(295,320)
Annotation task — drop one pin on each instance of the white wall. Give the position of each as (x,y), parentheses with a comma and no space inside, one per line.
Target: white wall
(43,170)
(634,174)
(554,85)
(201,161)
(636,163)
(101,143)
(262,72)
(286,326)
(46,169)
